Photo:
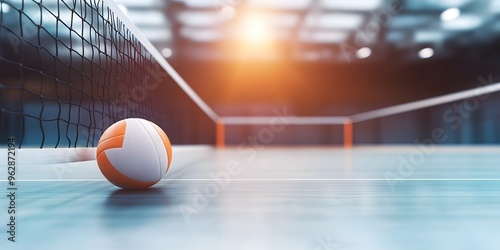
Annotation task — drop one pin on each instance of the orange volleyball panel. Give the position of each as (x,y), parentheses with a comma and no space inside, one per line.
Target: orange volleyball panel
(117,178)
(112,142)
(117,128)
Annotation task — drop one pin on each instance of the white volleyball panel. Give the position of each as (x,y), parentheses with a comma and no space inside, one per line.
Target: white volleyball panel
(138,157)
(158,143)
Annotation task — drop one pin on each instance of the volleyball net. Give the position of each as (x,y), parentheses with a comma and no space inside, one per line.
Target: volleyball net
(71,68)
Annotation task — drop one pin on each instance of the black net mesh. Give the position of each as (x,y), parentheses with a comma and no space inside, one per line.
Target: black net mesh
(69,69)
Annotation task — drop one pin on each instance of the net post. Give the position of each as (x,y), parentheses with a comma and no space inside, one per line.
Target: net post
(348,134)
(220,134)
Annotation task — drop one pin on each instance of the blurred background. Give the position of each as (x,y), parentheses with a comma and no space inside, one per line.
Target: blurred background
(332,58)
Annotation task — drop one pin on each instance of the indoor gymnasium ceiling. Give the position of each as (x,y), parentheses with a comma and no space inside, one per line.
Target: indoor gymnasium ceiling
(341,30)
(312,30)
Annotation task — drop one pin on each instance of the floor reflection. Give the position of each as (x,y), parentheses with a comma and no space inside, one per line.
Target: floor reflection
(132,208)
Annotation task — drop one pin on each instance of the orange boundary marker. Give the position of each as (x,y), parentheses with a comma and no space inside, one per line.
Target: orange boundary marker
(220,134)
(348,134)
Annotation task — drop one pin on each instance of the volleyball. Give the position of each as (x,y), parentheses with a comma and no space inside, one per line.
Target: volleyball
(134,153)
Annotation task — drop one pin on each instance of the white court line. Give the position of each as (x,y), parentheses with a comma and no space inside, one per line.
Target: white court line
(358,179)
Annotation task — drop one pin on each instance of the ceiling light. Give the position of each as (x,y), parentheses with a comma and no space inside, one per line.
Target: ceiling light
(358,5)
(254,29)
(279,4)
(166,52)
(320,36)
(202,18)
(334,21)
(364,52)
(5,8)
(464,22)
(154,18)
(450,14)
(426,53)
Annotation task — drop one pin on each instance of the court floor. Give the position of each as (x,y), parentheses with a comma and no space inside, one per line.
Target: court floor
(317,198)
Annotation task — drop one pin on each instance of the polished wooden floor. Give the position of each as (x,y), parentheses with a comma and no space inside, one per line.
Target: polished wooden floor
(274,198)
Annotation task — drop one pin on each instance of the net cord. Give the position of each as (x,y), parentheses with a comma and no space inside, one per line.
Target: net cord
(365,116)
(161,60)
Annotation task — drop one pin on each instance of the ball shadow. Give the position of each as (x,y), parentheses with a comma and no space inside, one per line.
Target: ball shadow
(125,208)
